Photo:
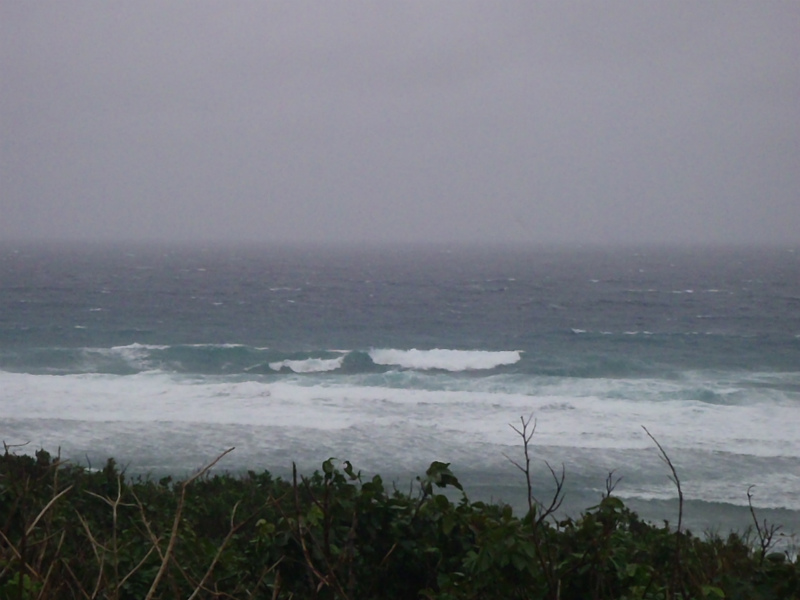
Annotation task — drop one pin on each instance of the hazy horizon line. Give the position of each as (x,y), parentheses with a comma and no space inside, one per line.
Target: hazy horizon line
(9,244)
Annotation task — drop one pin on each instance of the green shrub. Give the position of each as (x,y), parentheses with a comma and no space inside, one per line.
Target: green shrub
(68,532)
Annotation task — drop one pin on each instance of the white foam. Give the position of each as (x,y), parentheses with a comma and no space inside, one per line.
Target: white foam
(206,346)
(572,412)
(446,360)
(596,422)
(136,355)
(135,347)
(768,490)
(309,365)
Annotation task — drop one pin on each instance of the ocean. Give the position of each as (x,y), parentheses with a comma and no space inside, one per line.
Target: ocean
(392,357)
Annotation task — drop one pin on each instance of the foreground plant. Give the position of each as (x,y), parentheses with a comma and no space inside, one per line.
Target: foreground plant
(67,532)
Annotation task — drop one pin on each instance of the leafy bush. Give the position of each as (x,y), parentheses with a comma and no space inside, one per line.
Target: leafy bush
(68,532)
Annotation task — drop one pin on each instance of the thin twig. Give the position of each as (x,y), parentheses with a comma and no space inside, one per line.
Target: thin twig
(176,523)
(674,477)
(46,581)
(156,541)
(100,556)
(136,568)
(765,534)
(45,509)
(231,532)
(75,579)
(544,550)
(677,579)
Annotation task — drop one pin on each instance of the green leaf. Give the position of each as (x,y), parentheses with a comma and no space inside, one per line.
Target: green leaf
(314,515)
(439,473)
(528,548)
(448,523)
(519,562)
(441,502)
(348,469)
(327,466)
(613,503)
(631,569)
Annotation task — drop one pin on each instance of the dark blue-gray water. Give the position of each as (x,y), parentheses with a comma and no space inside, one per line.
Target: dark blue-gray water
(394,357)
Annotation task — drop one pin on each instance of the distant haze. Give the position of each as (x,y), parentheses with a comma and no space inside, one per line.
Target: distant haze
(404,121)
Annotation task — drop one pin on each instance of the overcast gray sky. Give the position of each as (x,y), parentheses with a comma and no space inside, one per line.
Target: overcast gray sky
(497,121)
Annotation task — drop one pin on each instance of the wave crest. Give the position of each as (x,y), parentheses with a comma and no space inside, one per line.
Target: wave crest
(445,360)
(309,365)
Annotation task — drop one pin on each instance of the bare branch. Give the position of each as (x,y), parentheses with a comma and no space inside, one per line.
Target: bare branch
(766,532)
(156,541)
(176,523)
(45,509)
(677,579)
(526,438)
(136,568)
(558,495)
(611,484)
(231,532)
(674,478)
(7,446)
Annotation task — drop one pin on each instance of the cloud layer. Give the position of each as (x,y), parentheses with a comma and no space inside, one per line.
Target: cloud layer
(405,121)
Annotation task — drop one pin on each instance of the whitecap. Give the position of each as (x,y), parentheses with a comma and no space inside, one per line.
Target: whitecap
(309,365)
(446,360)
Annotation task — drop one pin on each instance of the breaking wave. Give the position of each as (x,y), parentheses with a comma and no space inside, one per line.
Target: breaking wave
(446,360)
(207,359)
(309,365)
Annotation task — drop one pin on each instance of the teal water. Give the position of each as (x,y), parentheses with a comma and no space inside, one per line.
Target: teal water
(394,357)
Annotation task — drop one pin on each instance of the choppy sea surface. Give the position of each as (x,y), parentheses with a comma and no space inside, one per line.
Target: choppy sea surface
(392,357)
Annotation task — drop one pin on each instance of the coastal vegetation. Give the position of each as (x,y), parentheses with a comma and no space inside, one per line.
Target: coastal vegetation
(71,532)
